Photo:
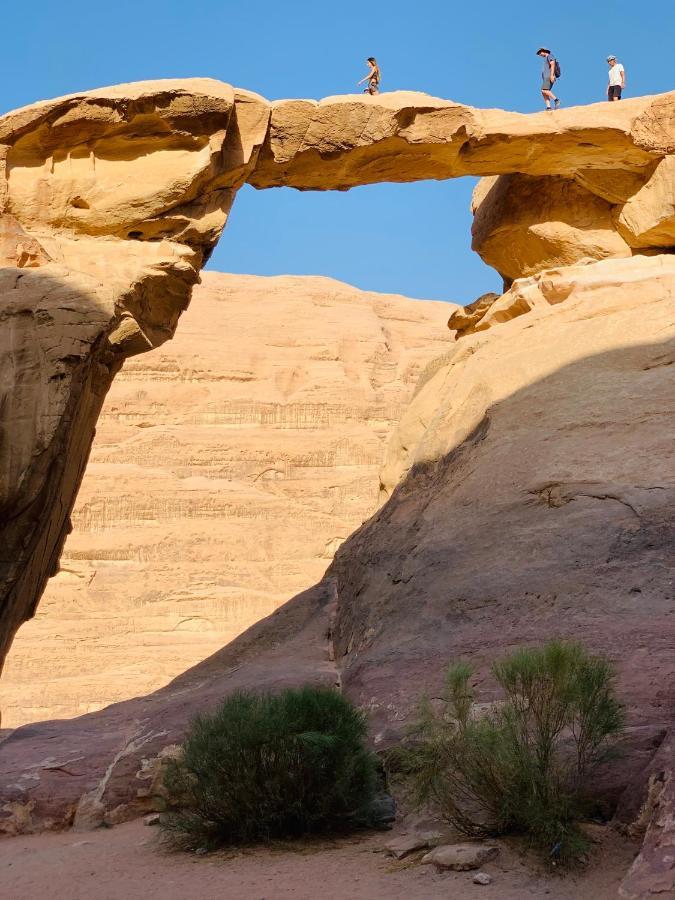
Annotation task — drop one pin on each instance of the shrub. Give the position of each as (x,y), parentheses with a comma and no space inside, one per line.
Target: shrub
(271,766)
(525,764)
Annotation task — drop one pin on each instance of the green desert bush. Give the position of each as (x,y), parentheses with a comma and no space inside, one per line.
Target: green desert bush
(267,766)
(525,764)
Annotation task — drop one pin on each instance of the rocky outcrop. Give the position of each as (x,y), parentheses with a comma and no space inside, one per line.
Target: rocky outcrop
(530,488)
(227,468)
(523,224)
(531,495)
(111,201)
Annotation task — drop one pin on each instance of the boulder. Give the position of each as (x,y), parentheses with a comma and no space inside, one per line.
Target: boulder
(461,857)
(405,844)
(467,319)
(647,219)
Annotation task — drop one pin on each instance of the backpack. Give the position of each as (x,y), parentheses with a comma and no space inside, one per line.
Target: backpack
(556,69)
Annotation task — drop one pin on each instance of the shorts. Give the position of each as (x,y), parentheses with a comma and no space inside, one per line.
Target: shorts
(547,86)
(373,87)
(614,90)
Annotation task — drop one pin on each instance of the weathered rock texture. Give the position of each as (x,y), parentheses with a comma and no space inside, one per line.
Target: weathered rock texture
(531,484)
(341,142)
(227,468)
(524,224)
(110,202)
(536,499)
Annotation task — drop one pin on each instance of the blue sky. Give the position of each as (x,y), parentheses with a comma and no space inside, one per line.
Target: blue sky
(412,239)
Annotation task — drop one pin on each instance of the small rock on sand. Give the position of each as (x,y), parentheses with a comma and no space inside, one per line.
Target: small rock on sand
(402,846)
(461,857)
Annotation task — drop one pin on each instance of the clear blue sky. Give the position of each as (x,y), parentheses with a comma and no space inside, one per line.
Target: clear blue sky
(412,238)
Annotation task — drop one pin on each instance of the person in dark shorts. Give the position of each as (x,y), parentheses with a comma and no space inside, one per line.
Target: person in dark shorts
(548,77)
(617,79)
(373,77)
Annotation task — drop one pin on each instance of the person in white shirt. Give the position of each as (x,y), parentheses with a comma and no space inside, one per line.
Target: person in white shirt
(617,79)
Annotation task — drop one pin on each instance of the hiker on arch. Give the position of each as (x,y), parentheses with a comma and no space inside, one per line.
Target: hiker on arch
(549,75)
(617,79)
(373,77)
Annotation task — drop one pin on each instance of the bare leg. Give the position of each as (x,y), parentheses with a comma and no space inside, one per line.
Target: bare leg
(548,95)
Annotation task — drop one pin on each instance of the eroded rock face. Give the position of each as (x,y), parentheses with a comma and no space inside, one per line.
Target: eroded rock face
(227,468)
(110,202)
(117,197)
(524,224)
(530,485)
(532,496)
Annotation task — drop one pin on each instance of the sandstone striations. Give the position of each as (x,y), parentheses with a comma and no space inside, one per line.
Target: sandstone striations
(529,488)
(535,498)
(145,175)
(110,202)
(227,468)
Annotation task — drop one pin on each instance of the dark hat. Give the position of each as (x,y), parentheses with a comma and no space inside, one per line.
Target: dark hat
(542,50)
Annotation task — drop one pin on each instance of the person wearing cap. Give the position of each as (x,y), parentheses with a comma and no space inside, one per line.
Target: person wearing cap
(548,77)
(617,79)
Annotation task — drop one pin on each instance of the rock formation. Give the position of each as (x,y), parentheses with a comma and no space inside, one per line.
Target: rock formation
(530,485)
(110,203)
(227,467)
(145,175)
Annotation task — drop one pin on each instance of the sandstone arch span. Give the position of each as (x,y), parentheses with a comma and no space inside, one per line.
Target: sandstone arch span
(127,189)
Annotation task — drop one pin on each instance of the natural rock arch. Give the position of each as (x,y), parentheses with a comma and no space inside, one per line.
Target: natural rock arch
(119,195)
(99,265)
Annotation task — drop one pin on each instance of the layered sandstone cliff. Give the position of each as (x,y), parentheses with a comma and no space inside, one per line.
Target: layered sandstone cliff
(110,202)
(227,468)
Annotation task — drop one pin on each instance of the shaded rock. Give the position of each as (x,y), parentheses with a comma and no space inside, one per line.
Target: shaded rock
(382,811)
(653,871)
(403,846)
(523,225)
(262,437)
(647,219)
(461,857)
(128,743)
(110,202)
(466,320)
(151,819)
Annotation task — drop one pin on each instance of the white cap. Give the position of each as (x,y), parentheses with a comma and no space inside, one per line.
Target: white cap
(610,58)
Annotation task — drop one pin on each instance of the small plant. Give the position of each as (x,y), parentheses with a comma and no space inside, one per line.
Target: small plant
(525,764)
(269,766)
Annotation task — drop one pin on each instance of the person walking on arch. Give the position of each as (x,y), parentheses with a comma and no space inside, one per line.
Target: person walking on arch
(617,79)
(548,77)
(373,77)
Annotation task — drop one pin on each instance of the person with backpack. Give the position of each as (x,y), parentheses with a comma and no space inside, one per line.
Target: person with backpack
(549,75)
(373,77)
(617,79)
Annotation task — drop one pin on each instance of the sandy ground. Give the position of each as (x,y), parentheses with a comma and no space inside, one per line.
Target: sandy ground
(126,862)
